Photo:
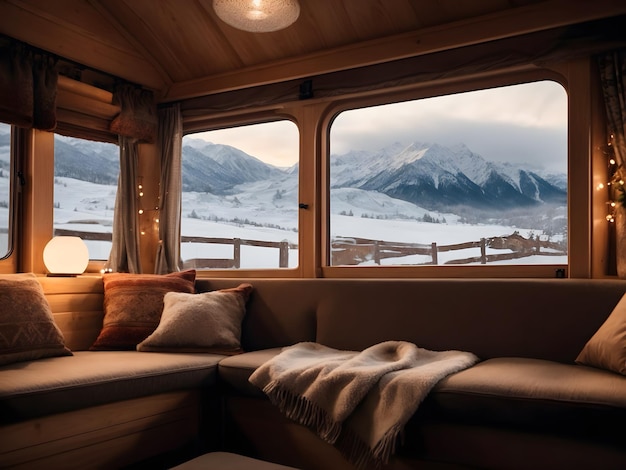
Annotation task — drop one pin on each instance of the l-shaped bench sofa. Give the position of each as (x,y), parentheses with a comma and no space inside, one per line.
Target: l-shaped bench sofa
(526,404)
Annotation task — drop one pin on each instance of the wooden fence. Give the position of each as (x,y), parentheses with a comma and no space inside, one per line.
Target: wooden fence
(217,263)
(349,251)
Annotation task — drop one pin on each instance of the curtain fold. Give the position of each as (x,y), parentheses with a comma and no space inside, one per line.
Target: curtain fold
(169,144)
(125,253)
(45,82)
(28,88)
(16,86)
(137,118)
(613,78)
(612,67)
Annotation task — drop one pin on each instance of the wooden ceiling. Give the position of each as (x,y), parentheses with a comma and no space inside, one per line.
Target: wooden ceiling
(181,49)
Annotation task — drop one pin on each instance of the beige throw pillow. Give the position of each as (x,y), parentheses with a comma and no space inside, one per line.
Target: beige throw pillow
(206,322)
(607,347)
(27,328)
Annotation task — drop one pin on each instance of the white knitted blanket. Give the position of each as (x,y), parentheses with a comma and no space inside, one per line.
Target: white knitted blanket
(357,401)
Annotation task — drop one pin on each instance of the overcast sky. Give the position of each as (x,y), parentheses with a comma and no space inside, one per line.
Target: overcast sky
(526,123)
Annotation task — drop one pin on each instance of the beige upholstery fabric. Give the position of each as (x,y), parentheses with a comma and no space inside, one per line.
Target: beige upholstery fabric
(89,378)
(27,328)
(536,395)
(543,318)
(607,347)
(228,461)
(209,322)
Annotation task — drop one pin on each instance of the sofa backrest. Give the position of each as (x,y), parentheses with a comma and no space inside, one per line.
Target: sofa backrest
(544,318)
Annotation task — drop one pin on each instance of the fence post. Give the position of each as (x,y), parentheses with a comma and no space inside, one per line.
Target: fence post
(237,252)
(283,255)
(483,252)
(376,252)
(434,253)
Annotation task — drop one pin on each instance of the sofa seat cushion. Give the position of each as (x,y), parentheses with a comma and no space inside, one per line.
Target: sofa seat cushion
(234,371)
(89,378)
(534,394)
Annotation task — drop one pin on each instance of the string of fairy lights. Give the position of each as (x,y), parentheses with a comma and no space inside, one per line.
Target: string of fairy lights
(615,185)
(141,211)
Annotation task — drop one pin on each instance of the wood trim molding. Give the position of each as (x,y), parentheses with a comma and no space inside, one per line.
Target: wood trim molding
(523,20)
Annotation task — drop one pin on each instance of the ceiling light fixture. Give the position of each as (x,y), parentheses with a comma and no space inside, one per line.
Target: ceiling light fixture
(257,16)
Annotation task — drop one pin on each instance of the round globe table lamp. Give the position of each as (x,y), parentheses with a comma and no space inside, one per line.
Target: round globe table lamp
(66,256)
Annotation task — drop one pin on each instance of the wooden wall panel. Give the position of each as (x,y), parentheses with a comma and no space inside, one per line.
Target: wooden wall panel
(106,436)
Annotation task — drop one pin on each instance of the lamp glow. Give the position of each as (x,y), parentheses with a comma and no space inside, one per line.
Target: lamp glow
(67,256)
(257,16)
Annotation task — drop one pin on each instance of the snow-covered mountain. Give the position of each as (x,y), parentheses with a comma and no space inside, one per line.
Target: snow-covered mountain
(431,176)
(95,162)
(442,178)
(217,168)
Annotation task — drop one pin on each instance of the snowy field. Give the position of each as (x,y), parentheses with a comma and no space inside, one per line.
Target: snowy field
(88,207)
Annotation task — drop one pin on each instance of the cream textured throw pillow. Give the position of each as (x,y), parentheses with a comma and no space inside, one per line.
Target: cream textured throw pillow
(607,347)
(206,322)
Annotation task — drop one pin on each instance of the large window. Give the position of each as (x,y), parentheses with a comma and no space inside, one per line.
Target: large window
(5,189)
(85,184)
(467,179)
(240,197)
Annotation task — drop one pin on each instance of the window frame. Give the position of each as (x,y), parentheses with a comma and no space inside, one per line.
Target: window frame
(588,232)
(249,119)
(447,87)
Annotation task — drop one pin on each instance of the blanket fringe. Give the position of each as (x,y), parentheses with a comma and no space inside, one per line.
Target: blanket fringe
(303,411)
(361,455)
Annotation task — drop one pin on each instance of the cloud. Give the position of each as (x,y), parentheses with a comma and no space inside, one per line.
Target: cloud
(523,123)
(520,123)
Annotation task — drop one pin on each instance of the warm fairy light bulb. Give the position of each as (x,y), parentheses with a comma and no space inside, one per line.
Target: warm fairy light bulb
(600,186)
(612,161)
(140,211)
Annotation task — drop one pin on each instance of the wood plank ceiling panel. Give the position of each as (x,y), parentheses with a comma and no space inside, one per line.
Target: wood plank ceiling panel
(184,40)
(76,31)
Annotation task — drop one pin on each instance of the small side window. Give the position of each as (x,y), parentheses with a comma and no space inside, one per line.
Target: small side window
(5,189)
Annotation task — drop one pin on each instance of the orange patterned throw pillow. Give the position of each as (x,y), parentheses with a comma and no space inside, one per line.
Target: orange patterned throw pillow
(133,304)
(27,328)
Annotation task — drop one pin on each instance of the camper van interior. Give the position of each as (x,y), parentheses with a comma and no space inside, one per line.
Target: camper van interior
(313,234)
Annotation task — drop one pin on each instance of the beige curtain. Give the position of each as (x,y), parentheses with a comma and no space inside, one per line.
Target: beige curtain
(613,76)
(612,68)
(28,87)
(169,143)
(138,117)
(125,255)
